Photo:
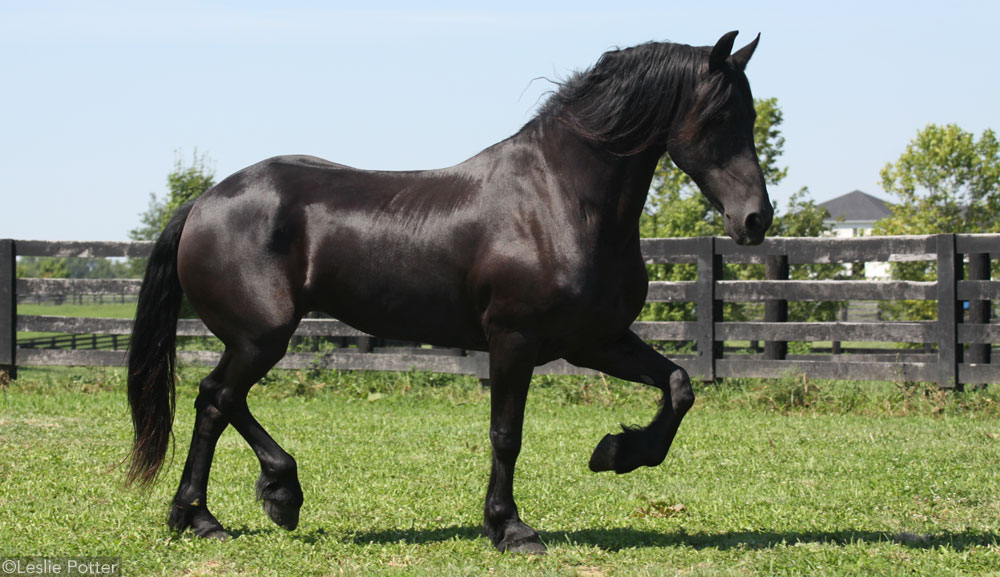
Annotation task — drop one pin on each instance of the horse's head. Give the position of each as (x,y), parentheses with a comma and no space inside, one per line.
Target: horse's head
(714,144)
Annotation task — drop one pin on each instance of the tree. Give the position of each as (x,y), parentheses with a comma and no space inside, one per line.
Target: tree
(946,181)
(768,139)
(42,267)
(184,183)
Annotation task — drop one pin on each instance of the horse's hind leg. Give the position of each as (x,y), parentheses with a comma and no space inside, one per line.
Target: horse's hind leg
(278,487)
(190,506)
(632,359)
(221,401)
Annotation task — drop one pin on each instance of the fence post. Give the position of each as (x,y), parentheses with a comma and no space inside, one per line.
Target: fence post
(835,346)
(482,367)
(949,270)
(980,311)
(776,311)
(8,310)
(708,308)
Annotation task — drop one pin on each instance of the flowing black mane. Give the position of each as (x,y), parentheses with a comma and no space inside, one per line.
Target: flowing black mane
(630,96)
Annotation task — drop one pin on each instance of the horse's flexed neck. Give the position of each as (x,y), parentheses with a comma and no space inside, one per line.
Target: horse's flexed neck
(608,188)
(713,142)
(694,103)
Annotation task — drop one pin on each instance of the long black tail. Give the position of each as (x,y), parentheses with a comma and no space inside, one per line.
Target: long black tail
(152,353)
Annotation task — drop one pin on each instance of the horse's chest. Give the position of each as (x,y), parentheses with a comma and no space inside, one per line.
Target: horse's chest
(604,299)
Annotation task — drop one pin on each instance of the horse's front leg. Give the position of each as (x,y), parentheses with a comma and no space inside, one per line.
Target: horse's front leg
(512,358)
(632,359)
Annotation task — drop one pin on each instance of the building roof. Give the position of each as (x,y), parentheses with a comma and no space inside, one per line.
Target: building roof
(857,207)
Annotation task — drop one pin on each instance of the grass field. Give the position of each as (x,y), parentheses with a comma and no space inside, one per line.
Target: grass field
(99,311)
(91,310)
(781,478)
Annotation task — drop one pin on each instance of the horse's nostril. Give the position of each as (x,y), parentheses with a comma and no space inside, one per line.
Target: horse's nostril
(754,222)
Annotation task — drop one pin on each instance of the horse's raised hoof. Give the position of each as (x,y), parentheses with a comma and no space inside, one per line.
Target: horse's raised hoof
(284,515)
(604,455)
(620,453)
(197,518)
(281,500)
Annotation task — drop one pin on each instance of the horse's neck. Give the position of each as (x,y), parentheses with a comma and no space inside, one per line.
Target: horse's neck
(615,186)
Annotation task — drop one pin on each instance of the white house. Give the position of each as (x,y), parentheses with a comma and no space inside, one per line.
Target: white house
(854,214)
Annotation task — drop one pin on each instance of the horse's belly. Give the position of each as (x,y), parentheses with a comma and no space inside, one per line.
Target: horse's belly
(402,307)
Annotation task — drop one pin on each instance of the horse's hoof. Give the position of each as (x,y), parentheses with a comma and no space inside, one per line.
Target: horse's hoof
(515,537)
(619,453)
(283,515)
(218,534)
(534,547)
(197,518)
(605,454)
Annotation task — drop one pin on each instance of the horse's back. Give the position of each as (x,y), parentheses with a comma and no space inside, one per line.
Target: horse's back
(388,252)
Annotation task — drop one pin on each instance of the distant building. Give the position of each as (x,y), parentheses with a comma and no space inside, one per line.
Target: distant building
(854,214)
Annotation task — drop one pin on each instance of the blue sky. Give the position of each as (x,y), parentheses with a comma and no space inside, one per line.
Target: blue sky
(98,98)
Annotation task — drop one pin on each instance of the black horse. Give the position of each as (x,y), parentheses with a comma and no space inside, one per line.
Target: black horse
(529,251)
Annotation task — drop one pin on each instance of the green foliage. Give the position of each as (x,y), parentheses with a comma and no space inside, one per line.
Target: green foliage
(946,181)
(152,221)
(768,139)
(42,267)
(184,183)
(72,267)
(801,217)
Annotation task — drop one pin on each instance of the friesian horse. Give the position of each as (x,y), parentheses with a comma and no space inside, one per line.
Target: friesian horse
(528,251)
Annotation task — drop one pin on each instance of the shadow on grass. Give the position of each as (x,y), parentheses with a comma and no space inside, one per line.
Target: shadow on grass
(626,538)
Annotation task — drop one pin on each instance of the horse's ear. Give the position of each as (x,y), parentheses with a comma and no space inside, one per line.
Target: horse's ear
(720,53)
(742,56)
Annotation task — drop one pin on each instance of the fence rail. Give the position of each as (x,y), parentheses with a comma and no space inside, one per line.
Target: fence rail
(962,338)
(75,341)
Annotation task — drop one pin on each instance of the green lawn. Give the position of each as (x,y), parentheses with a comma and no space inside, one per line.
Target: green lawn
(779,478)
(100,311)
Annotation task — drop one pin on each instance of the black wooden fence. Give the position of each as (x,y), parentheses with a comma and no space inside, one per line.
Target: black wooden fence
(960,337)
